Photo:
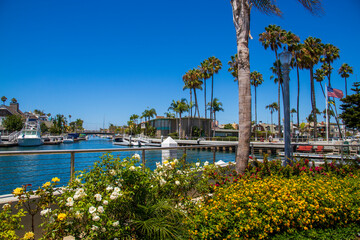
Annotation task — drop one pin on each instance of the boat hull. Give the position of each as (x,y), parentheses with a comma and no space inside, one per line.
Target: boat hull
(29,142)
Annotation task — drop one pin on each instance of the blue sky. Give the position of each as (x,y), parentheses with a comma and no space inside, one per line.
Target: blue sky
(101,60)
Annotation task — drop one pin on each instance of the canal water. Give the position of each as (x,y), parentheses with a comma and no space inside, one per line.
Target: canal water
(16,171)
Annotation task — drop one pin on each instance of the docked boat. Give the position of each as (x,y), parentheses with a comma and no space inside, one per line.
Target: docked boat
(30,135)
(68,139)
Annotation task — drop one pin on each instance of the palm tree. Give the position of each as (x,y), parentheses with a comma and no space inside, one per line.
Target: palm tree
(312,50)
(234,65)
(330,53)
(13,100)
(152,113)
(214,67)
(272,107)
(241,18)
(134,118)
(256,79)
(3,99)
(179,107)
(193,80)
(276,70)
(344,71)
(205,74)
(298,63)
(319,76)
(217,107)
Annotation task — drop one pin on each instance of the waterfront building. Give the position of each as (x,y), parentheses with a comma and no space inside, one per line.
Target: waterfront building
(164,126)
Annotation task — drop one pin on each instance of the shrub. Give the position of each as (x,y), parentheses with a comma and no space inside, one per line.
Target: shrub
(119,199)
(258,208)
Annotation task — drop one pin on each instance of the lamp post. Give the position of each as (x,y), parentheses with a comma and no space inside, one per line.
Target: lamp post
(285,59)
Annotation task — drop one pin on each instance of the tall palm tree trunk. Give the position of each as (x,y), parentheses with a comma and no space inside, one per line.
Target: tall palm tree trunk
(197,107)
(279,115)
(345,87)
(212,96)
(313,101)
(180,126)
(241,18)
(190,119)
(255,108)
(298,96)
(205,98)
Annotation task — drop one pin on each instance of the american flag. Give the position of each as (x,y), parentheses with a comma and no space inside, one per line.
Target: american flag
(333,92)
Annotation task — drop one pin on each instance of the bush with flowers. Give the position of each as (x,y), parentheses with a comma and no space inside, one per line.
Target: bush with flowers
(271,199)
(118,199)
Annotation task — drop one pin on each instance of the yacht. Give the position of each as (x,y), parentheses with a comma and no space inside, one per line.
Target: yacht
(30,135)
(68,139)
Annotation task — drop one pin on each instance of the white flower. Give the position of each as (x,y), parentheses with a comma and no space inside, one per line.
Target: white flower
(77,180)
(177,182)
(109,188)
(112,172)
(178,172)
(124,160)
(103,229)
(94,228)
(116,189)
(100,209)
(136,156)
(132,168)
(206,163)
(116,239)
(6,206)
(45,211)
(105,202)
(115,224)
(162,181)
(92,209)
(69,202)
(198,164)
(96,218)
(79,194)
(78,215)
(176,161)
(97,197)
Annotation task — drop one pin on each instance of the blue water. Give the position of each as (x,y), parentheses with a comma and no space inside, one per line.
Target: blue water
(16,171)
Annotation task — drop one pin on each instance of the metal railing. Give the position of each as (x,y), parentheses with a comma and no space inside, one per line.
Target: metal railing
(18,168)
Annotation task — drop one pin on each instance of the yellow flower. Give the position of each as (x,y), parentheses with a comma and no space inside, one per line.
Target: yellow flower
(46,184)
(55,179)
(18,191)
(61,216)
(29,235)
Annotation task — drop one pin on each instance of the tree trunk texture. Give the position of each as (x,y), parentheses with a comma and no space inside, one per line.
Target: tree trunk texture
(241,18)
(205,97)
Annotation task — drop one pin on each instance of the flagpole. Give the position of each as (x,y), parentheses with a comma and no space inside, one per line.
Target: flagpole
(327,116)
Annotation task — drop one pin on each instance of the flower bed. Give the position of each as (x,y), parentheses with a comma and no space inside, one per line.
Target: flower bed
(118,199)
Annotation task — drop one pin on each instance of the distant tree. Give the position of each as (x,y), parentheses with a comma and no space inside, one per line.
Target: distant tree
(234,65)
(3,99)
(13,123)
(43,128)
(216,107)
(70,118)
(256,79)
(229,126)
(272,107)
(345,71)
(169,115)
(351,108)
(39,112)
(13,100)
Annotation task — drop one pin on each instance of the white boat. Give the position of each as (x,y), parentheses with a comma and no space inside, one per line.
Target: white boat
(68,139)
(30,135)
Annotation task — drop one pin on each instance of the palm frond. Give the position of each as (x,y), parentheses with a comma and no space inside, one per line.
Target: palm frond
(266,6)
(314,6)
